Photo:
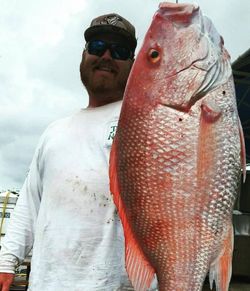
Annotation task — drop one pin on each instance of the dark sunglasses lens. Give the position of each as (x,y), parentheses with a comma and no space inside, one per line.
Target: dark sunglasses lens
(96,47)
(119,52)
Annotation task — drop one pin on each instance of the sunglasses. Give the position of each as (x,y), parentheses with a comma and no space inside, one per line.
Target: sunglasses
(117,51)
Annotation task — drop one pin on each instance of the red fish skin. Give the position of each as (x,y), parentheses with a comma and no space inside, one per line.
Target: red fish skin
(177,159)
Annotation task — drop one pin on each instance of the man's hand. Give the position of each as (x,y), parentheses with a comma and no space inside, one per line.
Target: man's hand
(6,279)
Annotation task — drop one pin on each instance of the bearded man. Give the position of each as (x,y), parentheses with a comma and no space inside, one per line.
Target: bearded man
(65,212)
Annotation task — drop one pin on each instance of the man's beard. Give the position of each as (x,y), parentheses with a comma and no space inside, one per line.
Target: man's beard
(90,85)
(103,85)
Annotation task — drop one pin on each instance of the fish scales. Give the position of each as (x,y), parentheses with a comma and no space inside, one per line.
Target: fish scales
(176,158)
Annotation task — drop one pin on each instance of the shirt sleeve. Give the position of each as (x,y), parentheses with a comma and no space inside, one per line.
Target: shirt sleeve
(19,237)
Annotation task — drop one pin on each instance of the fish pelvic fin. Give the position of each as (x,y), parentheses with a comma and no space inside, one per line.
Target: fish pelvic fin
(221,268)
(140,272)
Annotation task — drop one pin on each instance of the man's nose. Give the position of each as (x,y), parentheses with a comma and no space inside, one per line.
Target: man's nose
(107,54)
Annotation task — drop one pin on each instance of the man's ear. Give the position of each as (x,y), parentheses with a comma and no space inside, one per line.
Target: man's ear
(84,54)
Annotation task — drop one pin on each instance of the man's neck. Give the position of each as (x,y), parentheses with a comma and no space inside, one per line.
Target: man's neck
(103,99)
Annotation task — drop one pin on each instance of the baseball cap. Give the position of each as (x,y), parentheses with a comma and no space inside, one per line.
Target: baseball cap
(112,23)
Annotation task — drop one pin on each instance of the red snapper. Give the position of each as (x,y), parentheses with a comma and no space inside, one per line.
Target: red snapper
(176,159)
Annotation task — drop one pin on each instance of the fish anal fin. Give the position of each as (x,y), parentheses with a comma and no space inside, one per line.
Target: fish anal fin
(221,268)
(140,272)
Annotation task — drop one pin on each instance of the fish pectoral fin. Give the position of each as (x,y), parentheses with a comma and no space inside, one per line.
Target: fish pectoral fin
(221,269)
(140,272)
(210,112)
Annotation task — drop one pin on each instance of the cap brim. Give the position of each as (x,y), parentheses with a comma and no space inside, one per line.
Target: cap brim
(92,31)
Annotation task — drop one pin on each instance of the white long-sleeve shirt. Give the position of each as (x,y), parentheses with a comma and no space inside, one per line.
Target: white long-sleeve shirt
(65,210)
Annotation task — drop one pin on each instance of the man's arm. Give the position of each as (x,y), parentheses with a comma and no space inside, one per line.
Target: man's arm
(19,237)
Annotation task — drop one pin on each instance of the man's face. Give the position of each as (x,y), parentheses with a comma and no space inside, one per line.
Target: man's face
(104,74)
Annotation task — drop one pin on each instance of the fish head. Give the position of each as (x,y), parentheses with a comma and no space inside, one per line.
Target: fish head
(174,64)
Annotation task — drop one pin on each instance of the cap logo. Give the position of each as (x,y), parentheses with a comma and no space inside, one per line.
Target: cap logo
(111,20)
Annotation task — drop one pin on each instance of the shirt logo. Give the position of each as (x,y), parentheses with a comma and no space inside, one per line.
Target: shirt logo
(110,132)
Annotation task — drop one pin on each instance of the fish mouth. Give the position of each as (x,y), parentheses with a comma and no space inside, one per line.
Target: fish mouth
(180,14)
(176,6)
(178,10)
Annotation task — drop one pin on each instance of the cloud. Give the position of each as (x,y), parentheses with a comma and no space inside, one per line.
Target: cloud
(39,79)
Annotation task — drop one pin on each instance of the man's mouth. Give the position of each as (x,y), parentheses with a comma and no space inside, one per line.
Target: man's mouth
(106,69)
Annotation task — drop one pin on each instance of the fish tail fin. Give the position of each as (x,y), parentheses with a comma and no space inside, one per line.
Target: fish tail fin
(221,268)
(140,272)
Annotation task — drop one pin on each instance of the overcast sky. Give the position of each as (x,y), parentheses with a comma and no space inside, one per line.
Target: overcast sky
(41,43)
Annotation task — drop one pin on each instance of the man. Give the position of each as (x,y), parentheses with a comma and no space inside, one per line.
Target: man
(65,212)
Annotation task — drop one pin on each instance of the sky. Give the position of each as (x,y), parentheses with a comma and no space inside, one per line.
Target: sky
(41,43)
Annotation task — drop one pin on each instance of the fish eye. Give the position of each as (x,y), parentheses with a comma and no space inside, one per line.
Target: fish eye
(154,55)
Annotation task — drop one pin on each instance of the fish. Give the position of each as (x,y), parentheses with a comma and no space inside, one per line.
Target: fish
(178,154)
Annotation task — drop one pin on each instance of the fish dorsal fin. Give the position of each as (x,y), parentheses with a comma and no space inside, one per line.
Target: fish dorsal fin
(243,152)
(139,270)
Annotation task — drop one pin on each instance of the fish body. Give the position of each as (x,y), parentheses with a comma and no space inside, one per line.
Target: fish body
(176,159)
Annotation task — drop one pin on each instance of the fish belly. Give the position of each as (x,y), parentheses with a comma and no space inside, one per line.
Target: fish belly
(178,177)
